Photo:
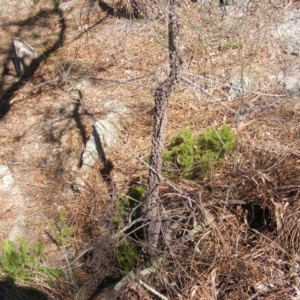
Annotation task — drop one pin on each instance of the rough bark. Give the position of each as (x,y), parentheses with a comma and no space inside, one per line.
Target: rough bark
(162,95)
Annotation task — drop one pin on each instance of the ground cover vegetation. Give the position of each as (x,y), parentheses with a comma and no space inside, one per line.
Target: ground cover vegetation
(192,156)
(198,197)
(21,262)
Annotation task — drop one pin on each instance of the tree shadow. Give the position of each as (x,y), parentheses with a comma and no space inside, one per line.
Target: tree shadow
(9,290)
(108,165)
(76,116)
(6,95)
(105,7)
(121,12)
(89,28)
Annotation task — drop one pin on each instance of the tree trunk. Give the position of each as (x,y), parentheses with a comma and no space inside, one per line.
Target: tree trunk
(162,95)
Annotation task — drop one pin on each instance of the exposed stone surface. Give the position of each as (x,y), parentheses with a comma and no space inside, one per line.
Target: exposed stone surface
(289,33)
(290,80)
(104,135)
(292,46)
(11,198)
(239,87)
(24,55)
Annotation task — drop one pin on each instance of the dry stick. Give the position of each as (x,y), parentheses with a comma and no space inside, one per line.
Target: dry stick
(146,222)
(162,95)
(145,285)
(130,225)
(267,285)
(131,276)
(69,264)
(233,87)
(271,241)
(128,81)
(41,84)
(257,293)
(210,95)
(172,288)
(100,79)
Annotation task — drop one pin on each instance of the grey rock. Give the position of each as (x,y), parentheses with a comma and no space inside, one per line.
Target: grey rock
(289,33)
(11,196)
(292,46)
(17,229)
(291,84)
(290,80)
(104,135)
(6,178)
(239,87)
(24,56)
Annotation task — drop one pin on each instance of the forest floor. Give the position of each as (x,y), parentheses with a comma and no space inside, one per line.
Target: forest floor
(92,56)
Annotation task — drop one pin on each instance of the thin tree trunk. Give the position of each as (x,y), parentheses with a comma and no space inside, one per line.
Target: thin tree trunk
(162,95)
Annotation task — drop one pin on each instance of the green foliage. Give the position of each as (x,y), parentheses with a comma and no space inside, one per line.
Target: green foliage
(127,253)
(127,202)
(127,256)
(228,44)
(63,232)
(136,193)
(191,156)
(21,262)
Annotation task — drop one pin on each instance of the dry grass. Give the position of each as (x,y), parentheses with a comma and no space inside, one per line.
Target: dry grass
(248,250)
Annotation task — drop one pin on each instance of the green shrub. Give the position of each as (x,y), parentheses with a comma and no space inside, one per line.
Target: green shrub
(228,44)
(127,202)
(22,262)
(127,256)
(63,232)
(127,253)
(191,156)
(137,194)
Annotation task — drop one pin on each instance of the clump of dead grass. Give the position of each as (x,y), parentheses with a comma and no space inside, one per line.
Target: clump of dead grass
(247,247)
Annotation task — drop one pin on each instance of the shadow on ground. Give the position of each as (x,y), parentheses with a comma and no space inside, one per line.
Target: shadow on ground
(7,94)
(10,291)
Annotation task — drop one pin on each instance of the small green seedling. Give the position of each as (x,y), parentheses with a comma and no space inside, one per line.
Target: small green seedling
(191,156)
(228,44)
(127,202)
(21,262)
(127,255)
(62,232)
